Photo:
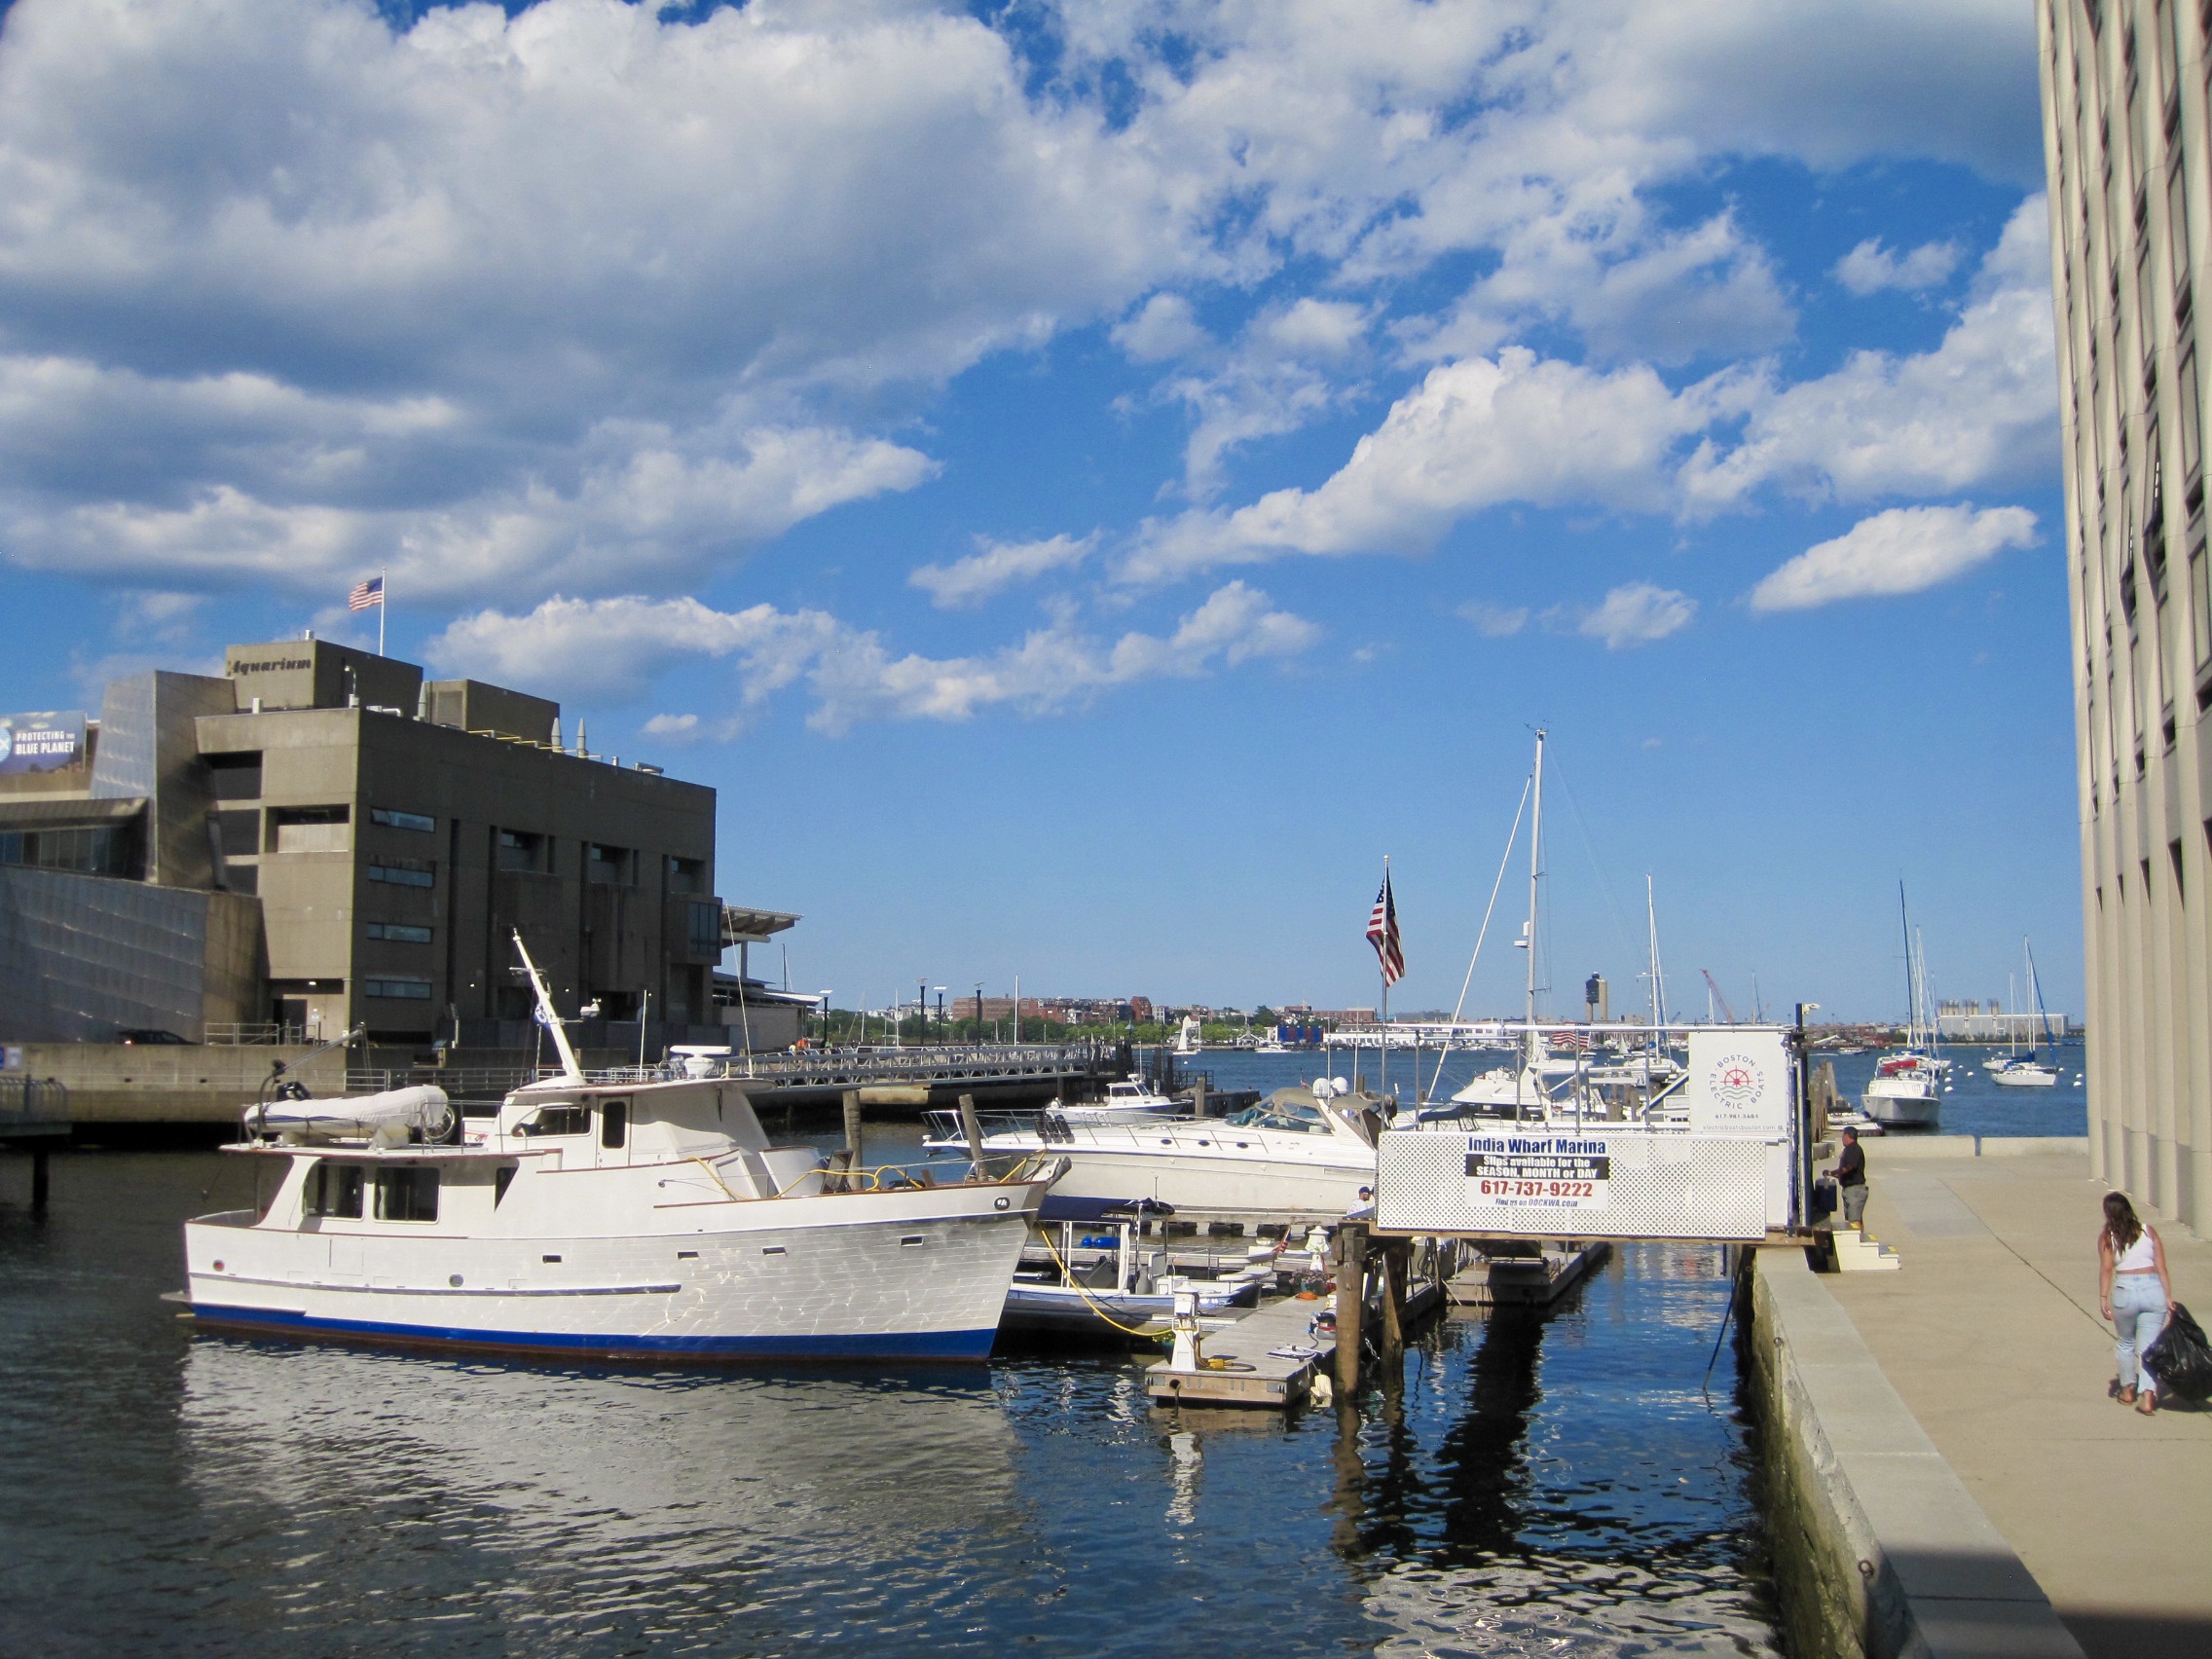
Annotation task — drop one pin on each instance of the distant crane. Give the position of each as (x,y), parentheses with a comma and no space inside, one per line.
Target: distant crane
(1711,986)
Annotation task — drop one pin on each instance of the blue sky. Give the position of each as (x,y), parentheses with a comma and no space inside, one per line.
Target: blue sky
(1085,481)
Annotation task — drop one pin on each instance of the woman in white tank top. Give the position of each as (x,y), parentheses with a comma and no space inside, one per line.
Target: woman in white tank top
(2136,1292)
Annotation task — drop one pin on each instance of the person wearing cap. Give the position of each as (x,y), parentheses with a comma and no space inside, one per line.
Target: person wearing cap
(1364,1210)
(1850,1174)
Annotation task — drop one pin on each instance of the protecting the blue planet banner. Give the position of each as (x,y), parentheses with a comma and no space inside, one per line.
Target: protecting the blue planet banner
(41,743)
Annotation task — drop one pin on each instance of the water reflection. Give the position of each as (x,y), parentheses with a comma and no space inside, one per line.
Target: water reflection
(388,1492)
(1570,1492)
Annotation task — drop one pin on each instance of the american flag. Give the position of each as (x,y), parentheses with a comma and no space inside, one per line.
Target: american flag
(1382,934)
(366,596)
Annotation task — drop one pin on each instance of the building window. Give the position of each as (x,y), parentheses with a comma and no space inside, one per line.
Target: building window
(236,776)
(687,875)
(399,933)
(101,850)
(2200,604)
(335,1188)
(309,829)
(409,1193)
(400,990)
(705,932)
(2191,428)
(392,820)
(404,872)
(611,867)
(521,850)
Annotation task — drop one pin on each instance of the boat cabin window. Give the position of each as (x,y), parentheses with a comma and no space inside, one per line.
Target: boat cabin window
(409,1193)
(502,1179)
(614,1122)
(563,1119)
(1278,1114)
(335,1188)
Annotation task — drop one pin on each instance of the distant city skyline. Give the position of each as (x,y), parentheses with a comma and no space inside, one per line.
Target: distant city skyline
(1086,484)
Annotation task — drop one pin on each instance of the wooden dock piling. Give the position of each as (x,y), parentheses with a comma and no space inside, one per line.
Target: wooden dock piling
(1352,1300)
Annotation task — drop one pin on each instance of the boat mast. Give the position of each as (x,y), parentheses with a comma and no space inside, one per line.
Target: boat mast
(1658,994)
(1536,875)
(1911,976)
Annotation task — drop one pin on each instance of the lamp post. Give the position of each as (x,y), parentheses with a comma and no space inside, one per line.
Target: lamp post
(941,1014)
(978,1011)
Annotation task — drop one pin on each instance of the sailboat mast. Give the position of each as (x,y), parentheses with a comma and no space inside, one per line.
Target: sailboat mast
(1535,874)
(1658,991)
(1911,976)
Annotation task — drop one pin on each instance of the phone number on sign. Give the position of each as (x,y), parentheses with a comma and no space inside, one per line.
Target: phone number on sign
(1494,1188)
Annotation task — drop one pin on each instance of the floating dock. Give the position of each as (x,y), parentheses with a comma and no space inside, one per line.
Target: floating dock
(1268,1358)
(1525,1281)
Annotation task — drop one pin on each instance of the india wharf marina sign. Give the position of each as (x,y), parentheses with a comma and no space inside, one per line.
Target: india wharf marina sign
(1551,1171)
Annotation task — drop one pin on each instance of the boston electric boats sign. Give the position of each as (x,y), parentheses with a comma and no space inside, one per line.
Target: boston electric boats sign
(1723,1173)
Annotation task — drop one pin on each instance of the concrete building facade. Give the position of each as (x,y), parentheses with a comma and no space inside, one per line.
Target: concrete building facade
(2126,144)
(318,839)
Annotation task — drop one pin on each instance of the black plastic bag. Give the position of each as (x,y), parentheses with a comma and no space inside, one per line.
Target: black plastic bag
(2181,1360)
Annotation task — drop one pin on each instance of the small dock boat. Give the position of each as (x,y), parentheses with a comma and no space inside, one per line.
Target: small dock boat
(641,1214)
(1112,1287)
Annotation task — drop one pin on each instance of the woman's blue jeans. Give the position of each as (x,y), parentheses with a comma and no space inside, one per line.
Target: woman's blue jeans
(2138,1315)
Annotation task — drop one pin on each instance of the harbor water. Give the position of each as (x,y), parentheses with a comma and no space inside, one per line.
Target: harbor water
(1562,1485)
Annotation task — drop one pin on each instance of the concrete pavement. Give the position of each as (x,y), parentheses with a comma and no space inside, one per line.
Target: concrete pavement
(1991,1335)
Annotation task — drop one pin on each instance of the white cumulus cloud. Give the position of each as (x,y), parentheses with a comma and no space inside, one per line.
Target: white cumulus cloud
(999,565)
(1903,550)
(1636,614)
(617,647)
(1870,267)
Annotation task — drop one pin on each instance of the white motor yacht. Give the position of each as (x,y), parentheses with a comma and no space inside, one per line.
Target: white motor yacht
(642,1214)
(1132,1099)
(1303,1151)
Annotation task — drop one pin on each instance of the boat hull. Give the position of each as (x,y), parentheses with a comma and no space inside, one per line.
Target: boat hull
(2027,1079)
(918,1274)
(1205,1180)
(1913,1107)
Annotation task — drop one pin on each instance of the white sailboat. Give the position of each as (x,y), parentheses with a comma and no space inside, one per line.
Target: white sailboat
(1905,1092)
(1187,1039)
(2025,1071)
(635,1214)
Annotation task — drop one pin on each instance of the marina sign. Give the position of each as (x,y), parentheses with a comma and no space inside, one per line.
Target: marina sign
(1539,1172)
(1611,1182)
(1739,1083)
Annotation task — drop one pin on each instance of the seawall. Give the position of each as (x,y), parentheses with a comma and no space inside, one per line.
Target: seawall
(1881,1553)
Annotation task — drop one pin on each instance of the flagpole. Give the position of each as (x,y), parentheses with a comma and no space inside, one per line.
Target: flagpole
(1382,972)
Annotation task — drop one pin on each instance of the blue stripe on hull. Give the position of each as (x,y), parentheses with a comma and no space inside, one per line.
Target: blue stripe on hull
(892,1344)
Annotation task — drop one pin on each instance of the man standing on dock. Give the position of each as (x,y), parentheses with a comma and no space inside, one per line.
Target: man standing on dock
(1850,1174)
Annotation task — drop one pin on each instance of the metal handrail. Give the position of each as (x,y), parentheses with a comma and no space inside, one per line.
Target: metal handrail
(254,1033)
(27,1099)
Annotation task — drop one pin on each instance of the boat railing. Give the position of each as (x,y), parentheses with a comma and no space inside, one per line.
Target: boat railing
(946,1128)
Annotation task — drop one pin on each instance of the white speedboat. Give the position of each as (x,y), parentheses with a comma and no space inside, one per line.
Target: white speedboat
(1303,1151)
(637,1215)
(1133,1099)
(1903,1100)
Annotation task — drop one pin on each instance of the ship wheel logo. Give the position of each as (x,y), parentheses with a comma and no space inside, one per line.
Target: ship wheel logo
(1737,1081)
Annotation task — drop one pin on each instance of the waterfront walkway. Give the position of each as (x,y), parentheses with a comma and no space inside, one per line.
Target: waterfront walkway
(1991,1335)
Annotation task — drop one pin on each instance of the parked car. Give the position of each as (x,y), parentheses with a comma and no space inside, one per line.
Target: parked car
(150,1035)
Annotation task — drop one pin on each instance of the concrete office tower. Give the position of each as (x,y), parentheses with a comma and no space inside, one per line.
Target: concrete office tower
(2125,145)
